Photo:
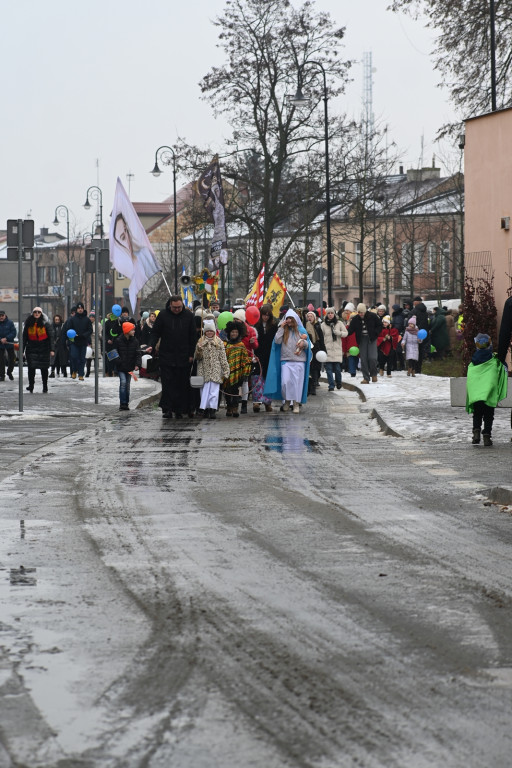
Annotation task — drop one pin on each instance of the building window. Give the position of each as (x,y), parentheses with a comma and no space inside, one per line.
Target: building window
(432,257)
(418,258)
(357,255)
(406,263)
(52,275)
(341,247)
(445,264)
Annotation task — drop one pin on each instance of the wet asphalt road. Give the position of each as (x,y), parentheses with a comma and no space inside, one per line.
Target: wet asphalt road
(274,591)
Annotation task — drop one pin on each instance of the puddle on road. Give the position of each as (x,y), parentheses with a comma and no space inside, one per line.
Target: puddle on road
(290,444)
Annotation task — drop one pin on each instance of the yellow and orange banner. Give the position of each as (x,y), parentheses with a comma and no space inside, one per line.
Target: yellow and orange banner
(275,294)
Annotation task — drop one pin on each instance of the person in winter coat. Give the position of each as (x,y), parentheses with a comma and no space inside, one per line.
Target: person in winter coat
(486,386)
(316,337)
(240,364)
(266,329)
(176,330)
(439,332)
(82,325)
(399,321)
(367,326)
(421,315)
(7,336)
(112,329)
(349,342)
(213,366)
(39,346)
(249,337)
(60,358)
(128,362)
(387,342)
(411,346)
(452,332)
(334,330)
(146,329)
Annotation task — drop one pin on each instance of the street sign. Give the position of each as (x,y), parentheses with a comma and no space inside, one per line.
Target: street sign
(103,262)
(27,233)
(12,254)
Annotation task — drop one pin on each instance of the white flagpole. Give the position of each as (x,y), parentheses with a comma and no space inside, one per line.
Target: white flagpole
(166,283)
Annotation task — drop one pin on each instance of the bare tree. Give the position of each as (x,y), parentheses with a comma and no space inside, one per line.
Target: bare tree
(463,50)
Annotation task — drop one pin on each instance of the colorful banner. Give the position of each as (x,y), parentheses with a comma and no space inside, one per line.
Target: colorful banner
(131,253)
(275,294)
(255,295)
(209,186)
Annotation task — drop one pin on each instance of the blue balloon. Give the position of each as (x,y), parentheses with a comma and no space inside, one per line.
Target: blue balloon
(116,310)
(422,334)
(71,333)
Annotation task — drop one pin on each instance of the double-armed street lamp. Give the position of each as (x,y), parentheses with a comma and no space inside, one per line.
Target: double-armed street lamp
(300,100)
(60,212)
(167,156)
(96,194)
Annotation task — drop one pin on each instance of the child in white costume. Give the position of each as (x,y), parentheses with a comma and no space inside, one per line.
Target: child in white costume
(213,366)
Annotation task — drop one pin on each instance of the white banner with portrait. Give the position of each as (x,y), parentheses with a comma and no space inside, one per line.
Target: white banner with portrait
(131,253)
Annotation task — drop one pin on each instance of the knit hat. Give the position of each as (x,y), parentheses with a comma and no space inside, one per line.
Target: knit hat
(80,304)
(396,307)
(417,298)
(145,315)
(92,313)
(381,306)
(386,319)
(199,312)
(240,315)
(483,341)
(330,309)
(209,325)
(361,307)
(37,309)
(127,327)
(412,320)
(349,307)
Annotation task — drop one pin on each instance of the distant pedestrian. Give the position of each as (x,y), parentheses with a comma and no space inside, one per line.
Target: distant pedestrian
(7,336)
(411,346)
(82,326)
(39,346)
(333,330)
(486,386)
(386,345)
(59,360)
(128,362)
(366,326)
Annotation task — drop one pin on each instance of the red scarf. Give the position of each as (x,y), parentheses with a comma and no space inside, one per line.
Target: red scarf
(37,333)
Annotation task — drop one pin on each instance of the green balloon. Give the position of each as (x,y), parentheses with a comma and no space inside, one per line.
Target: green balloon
(432,349)
(223,319)
(354,351)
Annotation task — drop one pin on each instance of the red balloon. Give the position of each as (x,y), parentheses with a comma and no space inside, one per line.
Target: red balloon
(252,315)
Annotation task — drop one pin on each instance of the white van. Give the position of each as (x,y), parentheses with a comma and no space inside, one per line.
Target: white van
(448,303)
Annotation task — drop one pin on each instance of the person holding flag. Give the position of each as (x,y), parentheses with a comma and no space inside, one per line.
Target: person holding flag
(131,252)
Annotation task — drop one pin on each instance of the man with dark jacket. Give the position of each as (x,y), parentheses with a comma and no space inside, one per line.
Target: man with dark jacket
(176,330)
(367,326)
(82,326)
(420,311)
(7,336)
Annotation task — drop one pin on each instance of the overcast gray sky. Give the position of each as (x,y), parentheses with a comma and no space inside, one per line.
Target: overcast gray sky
(112,80)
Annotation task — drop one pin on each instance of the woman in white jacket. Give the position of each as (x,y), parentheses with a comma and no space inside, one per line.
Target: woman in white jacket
(334,331)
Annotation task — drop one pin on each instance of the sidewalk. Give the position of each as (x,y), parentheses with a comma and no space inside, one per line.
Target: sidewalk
(420,408)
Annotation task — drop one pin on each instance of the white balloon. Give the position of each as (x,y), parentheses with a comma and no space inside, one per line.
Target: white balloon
(145,359)
(88,353)
(321,356)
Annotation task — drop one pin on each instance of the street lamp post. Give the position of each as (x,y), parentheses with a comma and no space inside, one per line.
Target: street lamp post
(96,194)
(60,211)
(299,100)
(167,156)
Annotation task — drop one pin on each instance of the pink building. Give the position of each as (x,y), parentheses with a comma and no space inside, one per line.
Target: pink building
(488,200)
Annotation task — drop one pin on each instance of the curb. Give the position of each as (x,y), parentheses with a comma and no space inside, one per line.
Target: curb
(374,414)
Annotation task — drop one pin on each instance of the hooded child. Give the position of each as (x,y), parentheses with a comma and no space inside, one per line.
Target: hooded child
(486,385)
(411,346)
(213,366)
(240,365)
